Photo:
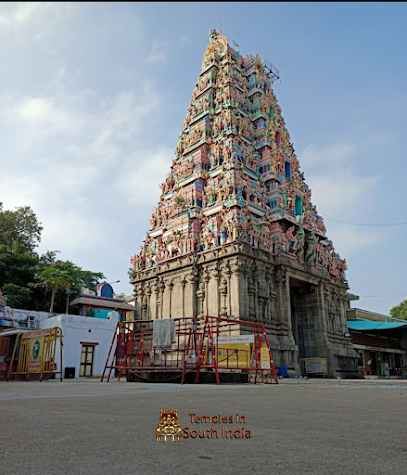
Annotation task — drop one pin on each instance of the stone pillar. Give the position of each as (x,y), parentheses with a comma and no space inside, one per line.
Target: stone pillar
(193,280)
(147,306)
(326,299)
(201,298)
(217,275)
(236,283)
(228,274)
(326,311)
(271,295)
(170,286)
(255,300)
(343,302)
(223,290)
(206,278)
(244,293)
(160,301)
(154,303)
(138,302)
(251,290)
(283,298)
(183,283)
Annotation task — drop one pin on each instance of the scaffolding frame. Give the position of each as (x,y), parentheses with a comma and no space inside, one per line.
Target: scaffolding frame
(197,347)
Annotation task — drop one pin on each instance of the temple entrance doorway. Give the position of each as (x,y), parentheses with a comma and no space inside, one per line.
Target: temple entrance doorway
(305,318)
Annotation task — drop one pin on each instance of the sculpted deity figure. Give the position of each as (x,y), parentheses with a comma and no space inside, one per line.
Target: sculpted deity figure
(220,194)
(290,199)
(318,256)
(207,240)
(291,239)
(311,248)
(299,249)
(282,244)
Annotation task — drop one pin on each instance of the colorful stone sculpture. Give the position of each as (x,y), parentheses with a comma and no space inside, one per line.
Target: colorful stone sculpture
(235,176)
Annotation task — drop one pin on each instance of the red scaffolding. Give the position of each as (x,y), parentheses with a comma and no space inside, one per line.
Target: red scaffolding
(215,345)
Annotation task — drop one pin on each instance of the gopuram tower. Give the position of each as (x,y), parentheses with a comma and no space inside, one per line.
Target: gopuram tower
(235,232)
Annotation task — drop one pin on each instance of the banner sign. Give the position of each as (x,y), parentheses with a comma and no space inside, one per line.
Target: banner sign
(36,346)
(234,355)
(315,365)
(36,333)
(234,339)
(264,356)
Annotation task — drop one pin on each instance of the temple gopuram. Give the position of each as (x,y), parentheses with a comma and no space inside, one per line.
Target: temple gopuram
(235,232)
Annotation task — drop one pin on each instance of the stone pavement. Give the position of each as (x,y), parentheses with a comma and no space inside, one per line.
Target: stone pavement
(297,427)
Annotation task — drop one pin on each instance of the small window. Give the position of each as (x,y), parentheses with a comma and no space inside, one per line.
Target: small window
(278,138)
(298,205)
(287,168)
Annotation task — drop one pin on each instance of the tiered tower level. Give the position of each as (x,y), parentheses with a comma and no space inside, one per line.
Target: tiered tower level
(235,209)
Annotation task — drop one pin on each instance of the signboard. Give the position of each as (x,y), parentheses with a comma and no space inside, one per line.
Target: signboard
(264,356)
(36,346)
(234,355)
(315,365)
(234,339)
(36,333)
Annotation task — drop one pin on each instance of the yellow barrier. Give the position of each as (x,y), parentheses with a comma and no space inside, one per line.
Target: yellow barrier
(37,353)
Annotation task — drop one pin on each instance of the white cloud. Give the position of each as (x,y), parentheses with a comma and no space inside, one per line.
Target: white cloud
(336,152)
(19,13)
(78,156)
(350,240)
(34,20)
(141,176)
(342,194)
(158,53)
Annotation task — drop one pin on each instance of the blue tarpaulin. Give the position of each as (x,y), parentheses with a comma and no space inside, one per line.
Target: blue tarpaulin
(362,325)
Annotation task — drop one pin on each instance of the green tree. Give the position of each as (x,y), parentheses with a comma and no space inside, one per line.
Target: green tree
(54,279)
(24,274)
(17,296)
(20,232)
(400,311)
(20,226)
(17,265)
(57,276)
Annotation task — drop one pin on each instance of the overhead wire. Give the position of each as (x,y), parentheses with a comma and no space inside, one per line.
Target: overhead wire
(362,224)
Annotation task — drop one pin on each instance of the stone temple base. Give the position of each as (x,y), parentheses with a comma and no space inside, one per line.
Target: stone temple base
(303,308)
(205,377)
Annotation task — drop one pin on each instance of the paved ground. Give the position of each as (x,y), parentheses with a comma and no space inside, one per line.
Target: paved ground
(298,427)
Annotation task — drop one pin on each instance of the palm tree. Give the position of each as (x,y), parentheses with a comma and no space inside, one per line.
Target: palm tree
(54,279)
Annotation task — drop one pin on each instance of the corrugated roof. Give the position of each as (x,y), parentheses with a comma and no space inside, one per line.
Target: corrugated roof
(362,311)
(363,325)
(92,301)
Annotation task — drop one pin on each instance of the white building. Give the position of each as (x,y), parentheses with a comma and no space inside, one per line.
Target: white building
(86,343)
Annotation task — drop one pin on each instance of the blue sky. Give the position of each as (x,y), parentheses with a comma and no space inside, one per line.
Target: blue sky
(93,97)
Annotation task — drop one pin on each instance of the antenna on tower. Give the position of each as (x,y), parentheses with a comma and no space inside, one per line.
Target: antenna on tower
(236,45)
(272,72)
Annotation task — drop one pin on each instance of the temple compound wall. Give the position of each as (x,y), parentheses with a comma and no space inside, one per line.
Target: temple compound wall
(303,308)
